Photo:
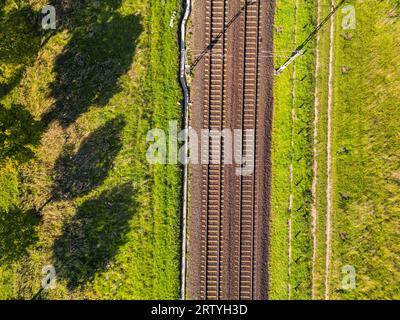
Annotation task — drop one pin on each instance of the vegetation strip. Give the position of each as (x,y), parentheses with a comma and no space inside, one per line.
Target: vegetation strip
(365,154)
(361,204)
(293,119)
(301,242)
(315,153)
(329,154)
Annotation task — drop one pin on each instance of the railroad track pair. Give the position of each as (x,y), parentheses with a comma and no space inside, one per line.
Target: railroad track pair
(228,263)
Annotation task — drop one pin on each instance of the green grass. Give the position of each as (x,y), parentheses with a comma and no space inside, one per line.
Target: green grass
(366,176)
(78,187)
(321,157)
(365,156)
(365,153)
(278,262)
(302,155)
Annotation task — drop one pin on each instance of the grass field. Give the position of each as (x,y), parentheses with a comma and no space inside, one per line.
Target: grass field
(299,155)
(365,155)
(76,191)
(321,155)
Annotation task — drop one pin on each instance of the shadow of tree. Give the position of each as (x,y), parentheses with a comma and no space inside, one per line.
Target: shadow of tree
(76,174)
(17,233)
(88,69)
(19,46)
(73,13)
(87,73)
(19,133)
(94,235)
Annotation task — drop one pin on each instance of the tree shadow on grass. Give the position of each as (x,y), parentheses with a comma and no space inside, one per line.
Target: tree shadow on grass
(89,68)
(76,174)
(87,74)
(19,47)
(20,133)
(94,235)
(20,41)
(17,233)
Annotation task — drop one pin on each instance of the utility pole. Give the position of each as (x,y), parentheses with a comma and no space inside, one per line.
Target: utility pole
(299,51)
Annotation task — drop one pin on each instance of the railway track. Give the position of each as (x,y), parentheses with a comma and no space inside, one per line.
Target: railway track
(212,257)
(248,190)
(232,260)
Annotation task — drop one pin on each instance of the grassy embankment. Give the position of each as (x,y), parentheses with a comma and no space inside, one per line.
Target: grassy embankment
(366,152)
(321,148)
(365,155)
(300,156)
(76,190)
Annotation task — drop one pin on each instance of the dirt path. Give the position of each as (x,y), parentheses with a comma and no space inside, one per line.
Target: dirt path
(314,213)
(329,158)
